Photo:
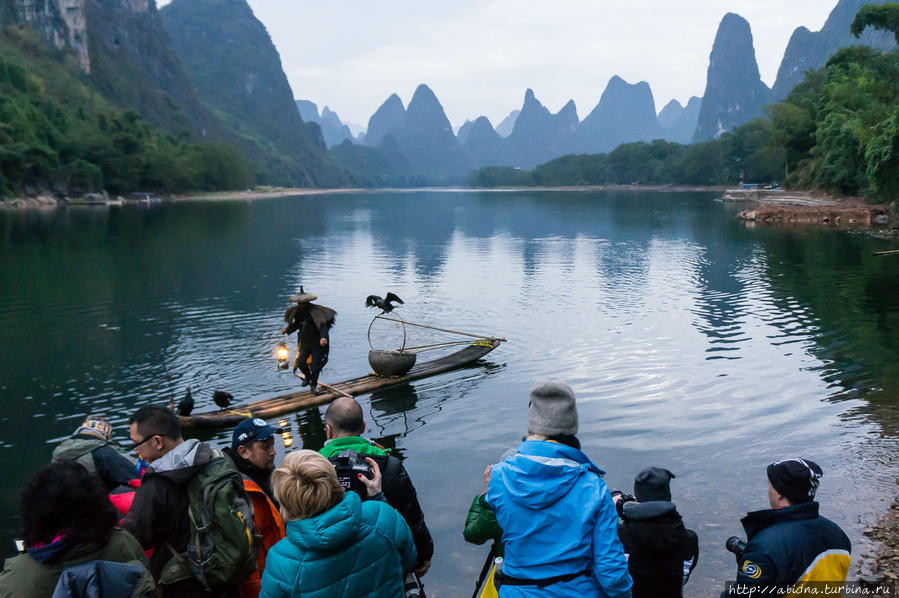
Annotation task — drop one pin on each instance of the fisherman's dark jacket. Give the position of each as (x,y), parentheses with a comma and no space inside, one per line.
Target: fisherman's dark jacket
(313,323)
(661,552)
(792,545)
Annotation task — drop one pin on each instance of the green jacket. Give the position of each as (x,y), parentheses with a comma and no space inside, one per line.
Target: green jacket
(24,577)
(481,525)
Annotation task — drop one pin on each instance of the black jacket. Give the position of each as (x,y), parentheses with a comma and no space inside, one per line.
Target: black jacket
(792,544)
(159,517)
(661,552)
(401,495)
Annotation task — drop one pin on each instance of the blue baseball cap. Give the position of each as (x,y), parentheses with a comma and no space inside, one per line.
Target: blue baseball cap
(250,430)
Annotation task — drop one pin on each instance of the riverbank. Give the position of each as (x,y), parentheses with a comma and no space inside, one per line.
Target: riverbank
(883,565)
(803,208)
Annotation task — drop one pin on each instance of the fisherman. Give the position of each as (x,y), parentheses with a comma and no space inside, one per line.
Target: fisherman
(313,322)
(92,446)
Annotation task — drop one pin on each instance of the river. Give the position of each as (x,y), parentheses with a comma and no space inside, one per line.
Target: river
(693,341)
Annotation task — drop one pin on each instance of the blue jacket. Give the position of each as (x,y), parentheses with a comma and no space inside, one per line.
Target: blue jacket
(792,545)
(351,550)
(557,518)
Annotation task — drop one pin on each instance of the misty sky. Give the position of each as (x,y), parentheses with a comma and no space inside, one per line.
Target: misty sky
(479,56)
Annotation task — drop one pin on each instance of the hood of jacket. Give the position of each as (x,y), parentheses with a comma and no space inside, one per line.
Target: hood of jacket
(654,526)
(182,462)
(331,530)
(541,472)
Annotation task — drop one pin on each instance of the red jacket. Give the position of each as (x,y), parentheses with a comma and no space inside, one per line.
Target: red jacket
(270,526)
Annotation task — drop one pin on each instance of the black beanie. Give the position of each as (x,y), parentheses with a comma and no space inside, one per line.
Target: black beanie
(652,484)
(795,479)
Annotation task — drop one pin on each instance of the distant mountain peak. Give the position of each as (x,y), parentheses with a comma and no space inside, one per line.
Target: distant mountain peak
(734,91)
(386,118)
(625,113)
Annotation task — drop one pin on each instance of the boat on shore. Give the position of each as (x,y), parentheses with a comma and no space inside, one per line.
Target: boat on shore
(288,403)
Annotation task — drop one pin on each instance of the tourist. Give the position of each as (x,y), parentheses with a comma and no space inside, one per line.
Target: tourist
(558,519)
(660,552)
(253,452)
(336,545)
(790,543)
(344,426)
(91,445)
(69,530)
(159,517)
(313,323)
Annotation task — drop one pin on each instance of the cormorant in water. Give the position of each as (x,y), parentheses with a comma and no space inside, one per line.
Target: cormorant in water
(385,304)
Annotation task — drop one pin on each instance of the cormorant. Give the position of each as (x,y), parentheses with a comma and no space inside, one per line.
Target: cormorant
(384,304)
(186,405)
(222,398)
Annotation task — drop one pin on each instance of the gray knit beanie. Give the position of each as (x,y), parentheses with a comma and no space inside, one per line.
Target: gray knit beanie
(552,410)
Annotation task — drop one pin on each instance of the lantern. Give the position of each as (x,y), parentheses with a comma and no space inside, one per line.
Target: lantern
(282,354)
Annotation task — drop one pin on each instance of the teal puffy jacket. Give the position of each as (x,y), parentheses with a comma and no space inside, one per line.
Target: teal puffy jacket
(353,549)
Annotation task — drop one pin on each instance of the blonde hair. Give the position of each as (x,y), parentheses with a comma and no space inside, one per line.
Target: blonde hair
(306,485)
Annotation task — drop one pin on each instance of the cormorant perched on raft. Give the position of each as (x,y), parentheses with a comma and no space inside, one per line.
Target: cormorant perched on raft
(222,398)
(385,304)
(186,405)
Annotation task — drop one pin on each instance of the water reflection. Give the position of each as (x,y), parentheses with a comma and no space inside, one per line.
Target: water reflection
(634,299)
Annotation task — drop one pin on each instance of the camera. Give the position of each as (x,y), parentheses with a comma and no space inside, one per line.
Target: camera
(348,464)
(623,498)
(736,546)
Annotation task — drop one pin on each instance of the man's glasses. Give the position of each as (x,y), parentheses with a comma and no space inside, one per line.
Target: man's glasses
(137,444)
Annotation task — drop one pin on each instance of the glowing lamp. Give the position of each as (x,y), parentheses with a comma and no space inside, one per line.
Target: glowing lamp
(282,354)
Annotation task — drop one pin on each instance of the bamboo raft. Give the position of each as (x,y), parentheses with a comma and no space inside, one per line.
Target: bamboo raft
(287,403)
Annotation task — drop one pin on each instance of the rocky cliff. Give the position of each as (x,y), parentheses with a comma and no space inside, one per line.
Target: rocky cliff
(60,23)
(734,93)
(237,72)
(425,137)
(334,132)
(539,135)
(810,50)
(386,118)
(504,128)
(625,113)
(483,144)
(679,122)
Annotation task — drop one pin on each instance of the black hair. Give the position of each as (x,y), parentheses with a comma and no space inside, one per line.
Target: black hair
(153,419)
(345,415)
(65,498)
(567,439)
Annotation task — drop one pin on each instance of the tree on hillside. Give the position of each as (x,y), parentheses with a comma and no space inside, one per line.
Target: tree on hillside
(884,17)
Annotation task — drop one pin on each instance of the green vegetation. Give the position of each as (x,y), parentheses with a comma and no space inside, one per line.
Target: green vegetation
(58,134)
(884,17)
(838,131)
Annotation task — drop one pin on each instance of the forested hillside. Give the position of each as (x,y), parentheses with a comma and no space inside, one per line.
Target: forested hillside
(59,135)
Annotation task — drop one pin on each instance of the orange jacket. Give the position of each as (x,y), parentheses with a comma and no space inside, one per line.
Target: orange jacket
(270,526)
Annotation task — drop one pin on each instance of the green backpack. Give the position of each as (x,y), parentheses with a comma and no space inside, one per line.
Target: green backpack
(223,544)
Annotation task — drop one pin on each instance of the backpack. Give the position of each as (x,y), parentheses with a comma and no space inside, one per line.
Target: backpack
(105,579)
(79,450)
(223,545)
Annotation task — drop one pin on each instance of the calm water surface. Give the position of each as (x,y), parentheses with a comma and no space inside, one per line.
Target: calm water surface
(693,342)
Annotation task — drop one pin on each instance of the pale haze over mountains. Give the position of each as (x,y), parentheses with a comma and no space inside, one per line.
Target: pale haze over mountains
(481,55)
